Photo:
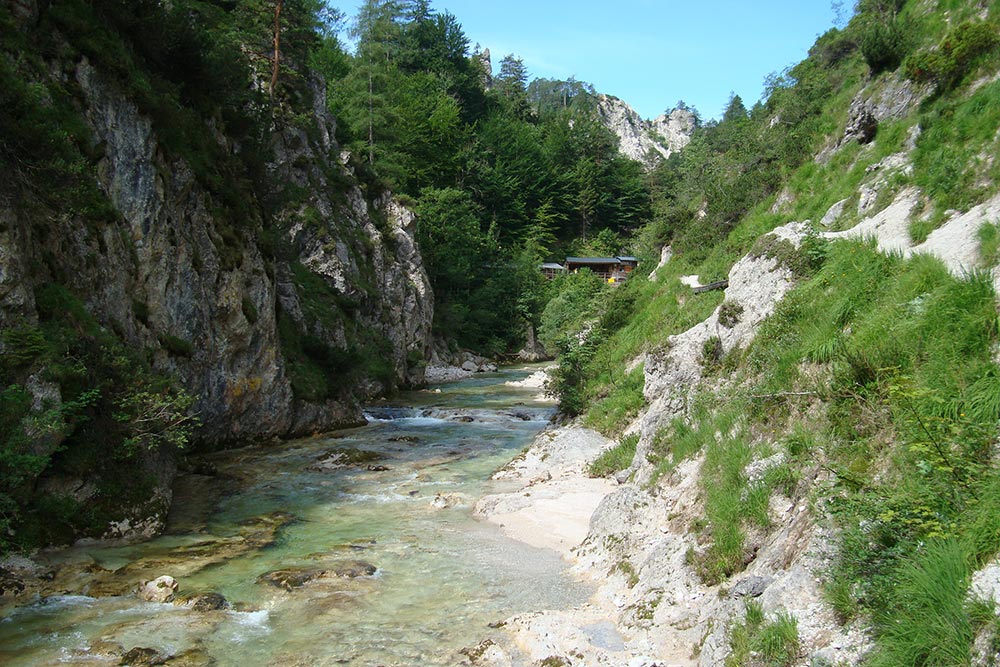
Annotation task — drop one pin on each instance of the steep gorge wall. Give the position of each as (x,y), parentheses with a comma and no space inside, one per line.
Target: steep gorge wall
(221,305)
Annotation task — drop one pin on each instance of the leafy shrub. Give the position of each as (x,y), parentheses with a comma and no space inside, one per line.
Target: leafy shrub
(884,39)
(21,346)
(574,301)
(959,53)
(833,46)
(567,382)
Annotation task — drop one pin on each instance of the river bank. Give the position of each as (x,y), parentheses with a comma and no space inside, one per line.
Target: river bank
(552,508)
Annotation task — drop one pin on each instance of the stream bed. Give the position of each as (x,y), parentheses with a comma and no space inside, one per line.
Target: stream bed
(352,548)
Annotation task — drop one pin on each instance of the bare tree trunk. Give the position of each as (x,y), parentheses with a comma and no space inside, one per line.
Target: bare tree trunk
(277,46)
(371,119)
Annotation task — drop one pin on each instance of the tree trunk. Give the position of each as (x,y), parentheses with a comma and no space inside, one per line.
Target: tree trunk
(371,119)
(276,64)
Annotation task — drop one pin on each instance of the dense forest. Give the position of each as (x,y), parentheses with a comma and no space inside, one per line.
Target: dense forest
(502,175)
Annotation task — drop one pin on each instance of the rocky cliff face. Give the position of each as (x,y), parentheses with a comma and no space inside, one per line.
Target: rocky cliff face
(643,140)
(275,324)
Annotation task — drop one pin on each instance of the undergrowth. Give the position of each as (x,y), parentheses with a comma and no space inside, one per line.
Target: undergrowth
(763,642)
(912,404)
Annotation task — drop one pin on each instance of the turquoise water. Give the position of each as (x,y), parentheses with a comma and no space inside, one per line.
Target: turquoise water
(442,577)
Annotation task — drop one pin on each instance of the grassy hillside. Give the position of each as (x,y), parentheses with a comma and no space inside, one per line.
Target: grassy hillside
(875,383)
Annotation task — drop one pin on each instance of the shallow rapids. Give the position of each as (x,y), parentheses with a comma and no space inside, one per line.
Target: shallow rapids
(286,533)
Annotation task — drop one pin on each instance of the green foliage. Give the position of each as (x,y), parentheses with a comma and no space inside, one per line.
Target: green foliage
(615,459)
(963,49)
(477,283)
(674,444)
(154,419)
(176,346)
(566,382)
(729,313)
(884,37)
(803,261)
(930,623)
(725,507)
(573,303)
(711,353)
(111,411)
(913,396)
(759,642)
(612,413)
(249,310)
(319,370)
(22,346)
(988,236)
(949,163)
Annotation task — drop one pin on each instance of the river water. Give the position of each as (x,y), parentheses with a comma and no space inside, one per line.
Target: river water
(441,577)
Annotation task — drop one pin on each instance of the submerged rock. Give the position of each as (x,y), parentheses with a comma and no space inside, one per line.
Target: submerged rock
(351,569)
(289,579)
(342,458)
(444,501)
(292,578)
(142,657)
(203,601)
(195,657)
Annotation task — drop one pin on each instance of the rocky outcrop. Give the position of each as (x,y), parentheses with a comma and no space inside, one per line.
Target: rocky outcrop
(890,99)
(645,141)
(756,285)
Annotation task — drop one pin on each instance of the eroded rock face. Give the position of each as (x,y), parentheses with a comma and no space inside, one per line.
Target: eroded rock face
(756,285)
(192,292)
(645,141)
(892,100)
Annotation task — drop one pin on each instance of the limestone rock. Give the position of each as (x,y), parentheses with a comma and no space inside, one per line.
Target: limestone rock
(170,268)
(645,141)
(891,99)
(161,589)
(292,578)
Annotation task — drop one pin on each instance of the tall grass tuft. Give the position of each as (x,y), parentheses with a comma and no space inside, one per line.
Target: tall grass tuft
(615,459)
(928,622)
(759,642)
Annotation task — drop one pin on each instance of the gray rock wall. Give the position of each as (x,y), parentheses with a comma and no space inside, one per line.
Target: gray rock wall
(189,288)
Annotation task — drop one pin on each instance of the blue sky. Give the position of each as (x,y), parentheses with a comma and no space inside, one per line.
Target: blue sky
(649,53)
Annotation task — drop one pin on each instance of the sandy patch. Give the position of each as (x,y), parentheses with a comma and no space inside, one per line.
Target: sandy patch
(553,506)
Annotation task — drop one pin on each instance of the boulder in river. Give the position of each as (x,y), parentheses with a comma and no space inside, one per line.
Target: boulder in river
(443,501)
(161,589)
(352,569)
(203,601)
